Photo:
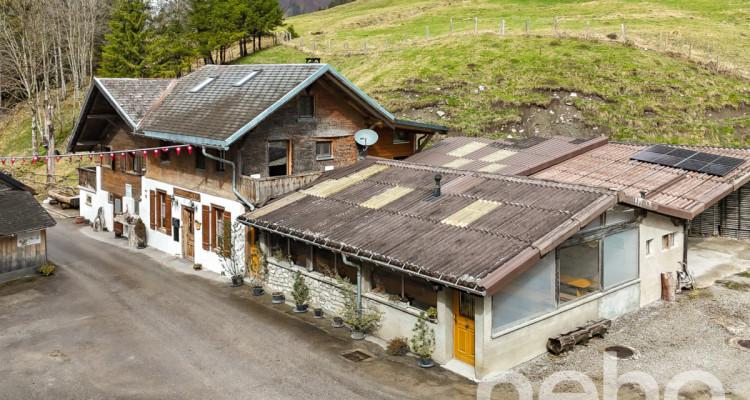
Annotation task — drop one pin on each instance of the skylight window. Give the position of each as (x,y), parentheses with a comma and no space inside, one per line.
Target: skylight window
(246,78)
(203,84)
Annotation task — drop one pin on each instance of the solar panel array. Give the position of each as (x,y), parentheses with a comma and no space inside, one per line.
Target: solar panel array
(696,161)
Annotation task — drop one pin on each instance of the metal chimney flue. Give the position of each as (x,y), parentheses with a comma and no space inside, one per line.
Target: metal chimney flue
(643,194)
(436,192)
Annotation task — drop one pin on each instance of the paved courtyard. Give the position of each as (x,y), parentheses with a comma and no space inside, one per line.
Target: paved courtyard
(123,323)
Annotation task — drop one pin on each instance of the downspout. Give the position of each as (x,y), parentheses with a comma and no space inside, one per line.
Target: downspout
(359,282)
(685,233)
(234,177)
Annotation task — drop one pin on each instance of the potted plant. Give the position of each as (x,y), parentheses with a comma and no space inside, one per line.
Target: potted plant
(140,233)
(318,312)
(399,300)
(277,297)
(432,314)
(300,293)
(258,270)
(361,321)
(232,253)
(423,341)
(337,322)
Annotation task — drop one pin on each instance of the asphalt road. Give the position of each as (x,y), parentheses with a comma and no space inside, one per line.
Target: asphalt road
(113,323)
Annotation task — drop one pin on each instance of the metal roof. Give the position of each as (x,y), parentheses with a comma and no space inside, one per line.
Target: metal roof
(507,157)
(481,233)
(669,190)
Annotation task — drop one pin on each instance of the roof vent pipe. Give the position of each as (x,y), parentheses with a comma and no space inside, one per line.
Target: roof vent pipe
(643,194)
(436,192)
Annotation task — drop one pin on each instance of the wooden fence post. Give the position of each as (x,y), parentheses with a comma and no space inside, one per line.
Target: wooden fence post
(555,26)
(476,22)
(502,27)
(587,30)
(624,33)
(313,46)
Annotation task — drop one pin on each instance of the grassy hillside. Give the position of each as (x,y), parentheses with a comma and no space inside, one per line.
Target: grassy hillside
(490,85)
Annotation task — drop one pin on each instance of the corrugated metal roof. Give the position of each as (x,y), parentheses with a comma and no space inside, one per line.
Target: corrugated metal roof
(482,224)
(503,156)
(670,191)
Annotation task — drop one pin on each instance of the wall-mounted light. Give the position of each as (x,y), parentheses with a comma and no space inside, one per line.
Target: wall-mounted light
(192,206)
(174,201)
(437,287)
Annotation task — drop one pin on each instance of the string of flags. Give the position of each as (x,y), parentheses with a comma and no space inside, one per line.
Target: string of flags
(100,154)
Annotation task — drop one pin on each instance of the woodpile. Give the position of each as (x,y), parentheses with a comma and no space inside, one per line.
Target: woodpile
(566,341)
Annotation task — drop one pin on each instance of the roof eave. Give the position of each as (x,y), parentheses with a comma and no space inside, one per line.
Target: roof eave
(428,127)
(187,139)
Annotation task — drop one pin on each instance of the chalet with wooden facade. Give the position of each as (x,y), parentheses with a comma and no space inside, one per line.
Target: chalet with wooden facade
(246,134)
(23,224)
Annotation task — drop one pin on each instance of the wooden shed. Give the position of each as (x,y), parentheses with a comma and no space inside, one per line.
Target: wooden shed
(23,224)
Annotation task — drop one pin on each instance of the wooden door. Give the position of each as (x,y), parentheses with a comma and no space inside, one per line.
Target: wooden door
(188,233)
(116,209)
(463,327)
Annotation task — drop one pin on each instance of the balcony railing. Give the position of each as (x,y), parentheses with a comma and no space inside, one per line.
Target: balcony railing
(87,177)
(259,191)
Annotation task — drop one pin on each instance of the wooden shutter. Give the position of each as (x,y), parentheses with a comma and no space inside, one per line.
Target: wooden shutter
(168,213)
(152,201)
(123,162)
(227,235)
(205,227)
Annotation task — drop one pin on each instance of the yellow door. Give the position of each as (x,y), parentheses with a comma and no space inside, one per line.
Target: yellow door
(463,327)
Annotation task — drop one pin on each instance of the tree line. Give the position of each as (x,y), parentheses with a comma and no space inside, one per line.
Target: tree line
(166,39)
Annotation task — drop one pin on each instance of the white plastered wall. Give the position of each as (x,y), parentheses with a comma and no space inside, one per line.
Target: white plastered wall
(159,240)
(654,227)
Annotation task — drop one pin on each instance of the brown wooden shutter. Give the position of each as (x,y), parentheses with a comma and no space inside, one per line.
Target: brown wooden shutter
(227,235)
(123,162)
(205,227)
(152,201)
(168,213)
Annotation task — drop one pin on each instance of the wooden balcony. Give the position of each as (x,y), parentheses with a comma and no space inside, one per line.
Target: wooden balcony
(259,191)
(87,177)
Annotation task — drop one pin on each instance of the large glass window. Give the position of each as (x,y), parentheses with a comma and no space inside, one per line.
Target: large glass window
(579,270)
(299,252)
(532,293)
(418,292)
(620,258)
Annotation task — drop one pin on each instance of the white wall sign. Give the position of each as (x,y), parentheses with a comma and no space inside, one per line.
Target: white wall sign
(128,190)
(29,238)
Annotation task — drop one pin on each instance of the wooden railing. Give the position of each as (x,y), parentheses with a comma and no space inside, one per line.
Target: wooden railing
(87,177)
(259,191)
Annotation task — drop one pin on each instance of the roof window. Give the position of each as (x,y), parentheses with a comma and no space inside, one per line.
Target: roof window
(197,88)
(246,78)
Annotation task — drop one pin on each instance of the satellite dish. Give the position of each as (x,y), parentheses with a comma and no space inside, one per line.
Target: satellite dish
(366,137)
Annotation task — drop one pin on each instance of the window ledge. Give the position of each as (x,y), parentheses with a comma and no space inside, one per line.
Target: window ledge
(567,307)
(324,158)
(383,299)
(307,119)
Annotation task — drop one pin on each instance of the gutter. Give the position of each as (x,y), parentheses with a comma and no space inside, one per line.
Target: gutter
(234,177)
(359,283)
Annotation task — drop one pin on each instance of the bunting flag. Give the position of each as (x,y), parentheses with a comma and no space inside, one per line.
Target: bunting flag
(101,154)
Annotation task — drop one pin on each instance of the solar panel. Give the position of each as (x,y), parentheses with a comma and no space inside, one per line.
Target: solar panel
(689,160)
(682,153)
(660,149)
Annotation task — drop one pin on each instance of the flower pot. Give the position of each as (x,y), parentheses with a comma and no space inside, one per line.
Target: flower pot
(357,335)
(300,308)
(278,297)
(237,281)
(433,319)
(79,220)
(141,245)
(338,322)
(426,362)
(318,313)
(258,290)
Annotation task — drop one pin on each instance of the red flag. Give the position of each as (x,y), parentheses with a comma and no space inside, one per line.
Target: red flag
(190,149)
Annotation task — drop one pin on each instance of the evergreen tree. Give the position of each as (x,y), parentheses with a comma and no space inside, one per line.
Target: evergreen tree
(126,53)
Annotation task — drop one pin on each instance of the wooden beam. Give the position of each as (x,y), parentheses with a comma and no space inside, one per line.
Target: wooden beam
(102,116)
(425,141)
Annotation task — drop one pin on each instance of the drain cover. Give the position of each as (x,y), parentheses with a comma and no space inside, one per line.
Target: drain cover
(356,356)
(621,352)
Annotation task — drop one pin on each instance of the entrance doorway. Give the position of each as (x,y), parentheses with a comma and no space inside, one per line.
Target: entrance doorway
(188,233)
(116,209)
(463,327)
